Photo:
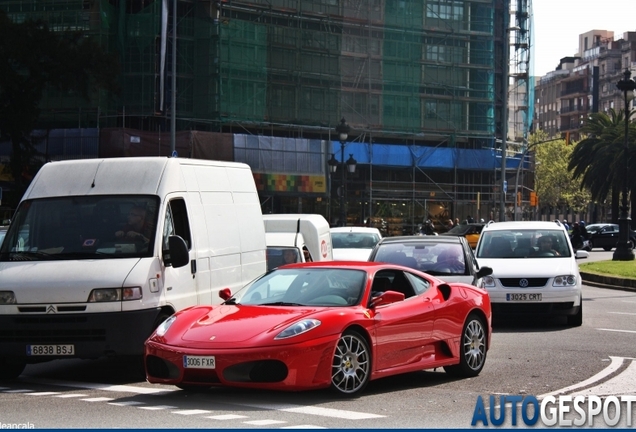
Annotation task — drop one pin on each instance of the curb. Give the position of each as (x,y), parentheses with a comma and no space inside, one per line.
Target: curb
(610,282)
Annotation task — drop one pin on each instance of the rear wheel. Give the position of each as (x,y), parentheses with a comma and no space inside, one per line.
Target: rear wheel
(351,365)
(10,370)
(472,356)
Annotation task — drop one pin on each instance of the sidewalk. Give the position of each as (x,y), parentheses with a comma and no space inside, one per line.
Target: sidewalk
(610,282)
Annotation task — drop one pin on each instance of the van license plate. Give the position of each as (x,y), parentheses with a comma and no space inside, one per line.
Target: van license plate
(524,297)
(199,362)
(50,350)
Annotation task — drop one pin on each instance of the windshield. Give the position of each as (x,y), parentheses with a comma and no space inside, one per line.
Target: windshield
(353,240)
(82,228)
(435,258)
(533,243)
(305,287)
(278,256)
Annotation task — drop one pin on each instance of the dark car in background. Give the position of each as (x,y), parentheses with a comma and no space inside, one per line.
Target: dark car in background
(605,235)
(471,231)
(449,258)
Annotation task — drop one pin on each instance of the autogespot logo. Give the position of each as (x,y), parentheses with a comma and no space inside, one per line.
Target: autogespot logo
(553,411)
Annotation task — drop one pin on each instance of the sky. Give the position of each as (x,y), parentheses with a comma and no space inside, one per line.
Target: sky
(558,24)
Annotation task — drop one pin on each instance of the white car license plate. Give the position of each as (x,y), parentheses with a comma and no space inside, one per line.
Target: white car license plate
(50,350)
(199,362)
(530,297)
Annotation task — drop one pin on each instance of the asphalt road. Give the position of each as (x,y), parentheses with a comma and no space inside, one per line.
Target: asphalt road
(526,359)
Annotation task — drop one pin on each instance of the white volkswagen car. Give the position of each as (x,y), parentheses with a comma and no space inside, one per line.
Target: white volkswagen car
(353,243)
(534,269)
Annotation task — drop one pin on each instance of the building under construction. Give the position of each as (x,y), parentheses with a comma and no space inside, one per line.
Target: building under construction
(419,82)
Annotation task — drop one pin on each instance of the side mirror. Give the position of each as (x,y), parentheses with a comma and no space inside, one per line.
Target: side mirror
(177,254)
(225,294)
(484,271)
(580,254)
(386,297)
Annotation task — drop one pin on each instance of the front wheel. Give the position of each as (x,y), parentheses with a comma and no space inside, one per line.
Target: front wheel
(351,365)
(576,320)
(472,356)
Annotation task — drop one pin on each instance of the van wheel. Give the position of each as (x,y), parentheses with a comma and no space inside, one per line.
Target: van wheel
(472,355)
(10,370)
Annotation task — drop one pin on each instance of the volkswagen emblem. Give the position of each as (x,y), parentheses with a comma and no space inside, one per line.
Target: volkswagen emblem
(50,309)
(523,283)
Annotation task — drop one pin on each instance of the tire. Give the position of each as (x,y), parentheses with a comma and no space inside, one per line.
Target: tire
(576,320)
(472,356)
(607,248)
(591,245)
(351,364)
(10,370)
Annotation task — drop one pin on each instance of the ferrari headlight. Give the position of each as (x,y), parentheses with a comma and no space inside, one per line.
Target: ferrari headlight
(164,326)
(7,297)
(564,281)
(489,281)
(114,294)
(298,328)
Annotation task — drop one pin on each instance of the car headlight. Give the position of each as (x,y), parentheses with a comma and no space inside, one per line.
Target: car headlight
(564,281)
(114,294)
(489,281)
(298,328)
(164,326)
(7,297)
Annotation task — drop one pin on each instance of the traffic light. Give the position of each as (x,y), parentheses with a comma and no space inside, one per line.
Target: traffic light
(534,200)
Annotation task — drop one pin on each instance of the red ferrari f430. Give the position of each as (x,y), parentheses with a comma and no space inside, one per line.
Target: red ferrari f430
(328,324)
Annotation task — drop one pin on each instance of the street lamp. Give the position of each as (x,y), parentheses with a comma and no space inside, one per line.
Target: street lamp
(343,133)
(623,250)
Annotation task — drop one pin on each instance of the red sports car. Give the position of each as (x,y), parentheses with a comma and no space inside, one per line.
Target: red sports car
(324,324)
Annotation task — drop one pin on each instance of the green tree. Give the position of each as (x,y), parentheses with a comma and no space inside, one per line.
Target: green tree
(33,59)
(555,185)
(599,159)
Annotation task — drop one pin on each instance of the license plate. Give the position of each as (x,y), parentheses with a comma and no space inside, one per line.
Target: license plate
(199,362)
(50,350)
(524,297)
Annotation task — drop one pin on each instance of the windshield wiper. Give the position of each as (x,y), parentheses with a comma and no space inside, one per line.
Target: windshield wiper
(30,255)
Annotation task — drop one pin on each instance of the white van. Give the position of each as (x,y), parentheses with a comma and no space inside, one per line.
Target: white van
(296,238)
(81,277)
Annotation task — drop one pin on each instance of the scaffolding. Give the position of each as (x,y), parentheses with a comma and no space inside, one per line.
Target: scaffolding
(408,72)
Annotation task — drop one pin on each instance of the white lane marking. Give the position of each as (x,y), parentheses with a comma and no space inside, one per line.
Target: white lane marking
(191,412)
(97,399)
(106,387)
(624,383)
(226,417)
(303,427)
(263,422)
(616,362)
(325,412)
(157,407)
(616,330)
(72,395)
(44,393)
(126,403)
(623,313)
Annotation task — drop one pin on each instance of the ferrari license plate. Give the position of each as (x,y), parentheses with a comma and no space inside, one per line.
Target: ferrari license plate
(199,362)
(530,297)
(50,350)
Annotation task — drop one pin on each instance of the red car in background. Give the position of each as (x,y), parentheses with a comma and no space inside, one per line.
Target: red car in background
(325,324)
